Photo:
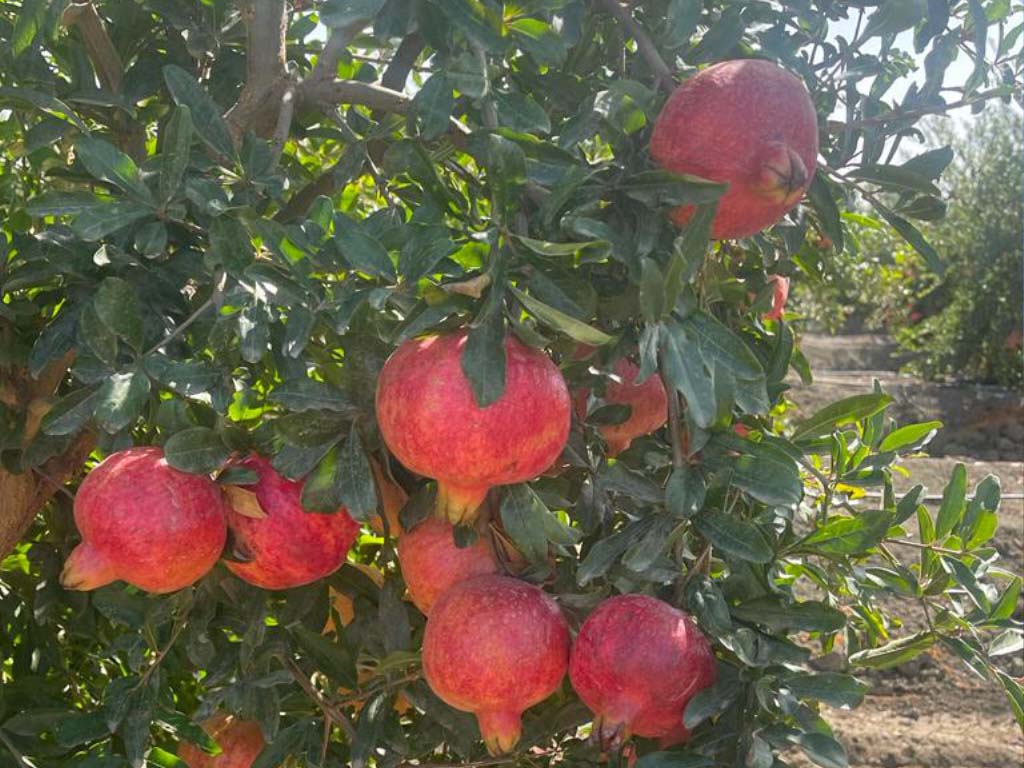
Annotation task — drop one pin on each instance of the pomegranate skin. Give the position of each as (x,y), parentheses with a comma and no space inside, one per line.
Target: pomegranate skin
(146,523)
(290,546)
(648,404)
(636,664)
(749,123)
(780,294)
(495,646)
(432,563)
(240,741)
(430,421)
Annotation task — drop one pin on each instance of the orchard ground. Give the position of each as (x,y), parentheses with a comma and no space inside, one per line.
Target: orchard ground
(932,712)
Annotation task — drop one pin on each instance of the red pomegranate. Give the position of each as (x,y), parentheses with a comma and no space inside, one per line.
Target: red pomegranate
(636,664)
(286,546)
(648,404)
(749,123)
(146,523)
(432,563)
(495,646)
(240,741)
(431,422)
(780,294)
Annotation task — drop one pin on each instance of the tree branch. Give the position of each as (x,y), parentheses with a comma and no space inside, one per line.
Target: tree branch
(327,62)
(98,46)
(284,123)
(330,93)
(644,44)
(266,24)
(397,72)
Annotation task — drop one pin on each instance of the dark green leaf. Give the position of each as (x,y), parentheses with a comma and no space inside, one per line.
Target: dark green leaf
(849,535)
(120,400)
(606,551)
(29,21)
(71,413)
(721,346)
(824,204)
(711,700)
(735,536)
(522,516)
(559,321)
(652,291)
(895,653)
(344,13)
(473,19)
(175,143)
(913,435)
(521,113)
(306,394)
(683,16)
(832,688)
(355,478)
(845,411)
(673,760)
(117,307)
(483,358)
(361,250)
(198,451)
(656,188)
(230,244)
(107,163)
(27,97)
(684,493)
(954,498)
(321,490)
(285,743)
(899,177)
(104,218)
(433,105)
(540,40)
(206,115)
(685,371)
(912,235)
(808,616)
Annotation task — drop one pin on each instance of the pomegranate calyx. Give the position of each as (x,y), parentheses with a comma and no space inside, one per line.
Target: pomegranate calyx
(500,730)
(782,175)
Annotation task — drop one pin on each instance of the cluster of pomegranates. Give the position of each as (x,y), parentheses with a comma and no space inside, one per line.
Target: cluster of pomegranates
(494,645)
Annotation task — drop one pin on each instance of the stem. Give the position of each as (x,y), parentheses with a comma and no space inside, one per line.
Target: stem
(19,758)
(329,710)
(644,44)
(919,545)
(185,324)
(284,123)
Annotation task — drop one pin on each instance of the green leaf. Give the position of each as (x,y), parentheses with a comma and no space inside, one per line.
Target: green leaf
(467,74)
(688,253)
(681,23)
(914,435)
(684,369)
(361,250)
(560,249)
(506,174)
(893,17)
(832,688)
(432,106)
(62,203)
(540,40)
(285,743)
(321,491)
(29,21)
(107,163)
(720,39)
(355,478)
(930,164)
(1005,606)
(344,13)
(472,18)
(521,113)
(120,400)
(824,204)
(26,97)
(559,321)
(673,760)
(719,345)
(198,450)
(645,553)
(483,359)
(807,616)
(658,188)
(954,498)
(603,554)
(370,727)
(913,236)
(304,394)
(735,536)
(845,411)
(118,308)
(896,176)
(105,218)
(712,700)
(206,115)
(821,749)
(176,142)
(844,536)
(652,290)
(331,658)
(230,245)
(71,413)
(422,252)
(684,493)
(522,516)
(895,653)
(907,506)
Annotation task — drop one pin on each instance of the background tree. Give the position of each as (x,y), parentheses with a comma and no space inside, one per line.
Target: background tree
(219,220)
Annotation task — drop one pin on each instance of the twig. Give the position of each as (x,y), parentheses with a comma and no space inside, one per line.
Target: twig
(474,287)
(98,45)
(825,483)
(327,62)
(402,62)
(18,757)
(284,123)
(919,545)
(186,323)
(675,422)
(329,710)
(326,94)
(649,53)
(924,111)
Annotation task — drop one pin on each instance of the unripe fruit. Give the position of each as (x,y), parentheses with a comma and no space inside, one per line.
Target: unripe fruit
(749,123)
(432,563)
(285,545)
(648,404)
(146,523)
(495,646)
(636,664)
(240,741)
(433,425)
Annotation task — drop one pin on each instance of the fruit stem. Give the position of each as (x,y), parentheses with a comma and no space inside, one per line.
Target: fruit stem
(459,505)
(500,730)
(86,569)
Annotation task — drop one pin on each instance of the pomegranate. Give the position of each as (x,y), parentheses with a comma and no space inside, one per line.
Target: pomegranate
(431,562)
(431,422)
(146,523)
(648,404)
(285,545)
(495,646)
(636,664)
(240,741)
(780,293)
(748,123)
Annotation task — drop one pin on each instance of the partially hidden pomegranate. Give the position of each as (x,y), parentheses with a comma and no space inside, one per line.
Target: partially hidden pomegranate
(283,545)
(431,422)
(392,499)
(636,664)
(432,562)
(780,294)
(748,123)
(240,741)
(648,404)
(146,523)
(495,646)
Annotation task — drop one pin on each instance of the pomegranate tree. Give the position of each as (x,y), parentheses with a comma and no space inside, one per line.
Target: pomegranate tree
(146,523)
(432,562)
(495,646)
(750,124)
(636,664)
(240,742)
(432,423)
(277,543)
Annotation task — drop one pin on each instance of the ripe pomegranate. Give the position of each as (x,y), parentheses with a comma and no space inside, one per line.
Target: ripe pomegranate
(240,741)
(780,293)
(431,562)
(146,523)
(648,404)
(432,424)
(495,646)
(286,546)
(636,664)
(749,123)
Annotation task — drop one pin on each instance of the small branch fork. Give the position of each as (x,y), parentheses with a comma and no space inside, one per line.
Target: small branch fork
(644,44)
